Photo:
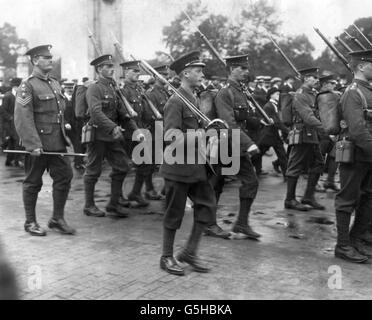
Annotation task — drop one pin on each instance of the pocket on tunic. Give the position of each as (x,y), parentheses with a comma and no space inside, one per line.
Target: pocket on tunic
(45,129)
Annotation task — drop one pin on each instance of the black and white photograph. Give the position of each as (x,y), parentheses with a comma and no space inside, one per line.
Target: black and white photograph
(185,155)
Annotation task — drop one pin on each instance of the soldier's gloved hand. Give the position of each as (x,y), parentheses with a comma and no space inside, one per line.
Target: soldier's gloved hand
(37,152)
(253,150)
(117,134)
(68,126)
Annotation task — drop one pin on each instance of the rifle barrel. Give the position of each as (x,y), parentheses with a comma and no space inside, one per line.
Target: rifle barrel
(343,43)
(206,41)
(363,35)
(357,42)
(289,62)
(334,49)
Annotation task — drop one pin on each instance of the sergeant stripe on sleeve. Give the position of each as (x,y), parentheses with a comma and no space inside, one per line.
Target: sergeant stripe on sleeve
(23,101)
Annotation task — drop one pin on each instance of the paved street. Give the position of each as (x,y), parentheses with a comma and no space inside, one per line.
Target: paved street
(119,258)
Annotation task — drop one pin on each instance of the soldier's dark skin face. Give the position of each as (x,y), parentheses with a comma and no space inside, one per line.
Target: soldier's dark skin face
(106,71)
(44,63)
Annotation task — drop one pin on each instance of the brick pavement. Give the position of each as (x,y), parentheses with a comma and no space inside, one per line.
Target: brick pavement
(119,258)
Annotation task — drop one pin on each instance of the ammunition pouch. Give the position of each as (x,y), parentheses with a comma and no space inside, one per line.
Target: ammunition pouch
(295,135)
(344,151)
(88,133)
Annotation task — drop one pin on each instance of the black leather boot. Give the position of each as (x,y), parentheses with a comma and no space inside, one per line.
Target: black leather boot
(90,208)
(309,198)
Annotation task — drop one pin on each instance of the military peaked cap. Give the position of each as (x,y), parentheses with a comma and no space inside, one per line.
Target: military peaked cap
(191,59)
(134,65)
(237,61)
(105,59)
(162,69)
(43,50)
(327,77)
(314,71)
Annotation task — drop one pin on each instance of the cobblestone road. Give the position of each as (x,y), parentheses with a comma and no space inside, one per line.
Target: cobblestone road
(119,259)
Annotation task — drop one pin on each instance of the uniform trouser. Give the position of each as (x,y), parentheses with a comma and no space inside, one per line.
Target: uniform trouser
(355,195)
(115,155)
(176,193)
(247,177)
(280,153)
(61,173)
(302,156)
(117,159)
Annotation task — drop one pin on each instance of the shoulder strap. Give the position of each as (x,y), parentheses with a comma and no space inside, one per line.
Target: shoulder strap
(364,100)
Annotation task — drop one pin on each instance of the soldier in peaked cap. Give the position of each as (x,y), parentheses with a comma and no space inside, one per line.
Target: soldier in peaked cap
(305,150)
(233,106)
(185,179)
(39,121)
(159,93)
(270,136)
(145,119)
(356,177)
(107,115)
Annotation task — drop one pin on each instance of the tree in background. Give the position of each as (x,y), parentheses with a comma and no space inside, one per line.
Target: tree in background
(9,44)
(245,33)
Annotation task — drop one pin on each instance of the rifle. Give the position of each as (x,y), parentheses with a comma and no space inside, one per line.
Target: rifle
(220,59)
(343,43)
(357,42)
(334,50)
(289,62)
(95,43)
(119,50)
(362,34)
(63,154)
(206,41)
(187,102)
(130,111)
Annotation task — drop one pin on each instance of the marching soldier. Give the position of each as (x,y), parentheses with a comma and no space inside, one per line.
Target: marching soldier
(39,121)
(270,136)
(304,143)
(233,107)
(356,178)
(159,94)
(184,179)
(135,96)
(106,115)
